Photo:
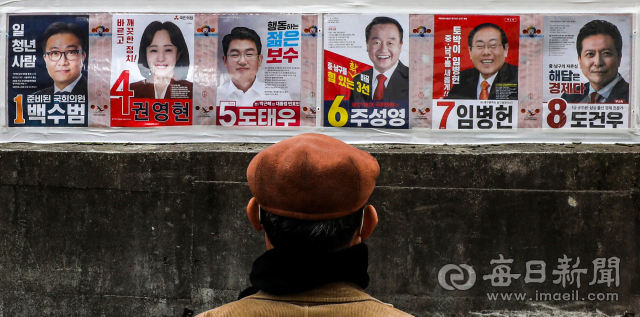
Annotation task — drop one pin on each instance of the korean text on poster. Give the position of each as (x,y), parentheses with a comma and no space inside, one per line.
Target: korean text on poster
(152,70)
(47,78)
(476,72)
(587,62)
(366,78)
(259,70)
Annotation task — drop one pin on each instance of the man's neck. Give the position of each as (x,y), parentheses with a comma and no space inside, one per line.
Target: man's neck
(73,83)
(388,71)
(244,86)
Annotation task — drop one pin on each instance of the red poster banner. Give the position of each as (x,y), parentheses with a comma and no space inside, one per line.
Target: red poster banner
(452,55)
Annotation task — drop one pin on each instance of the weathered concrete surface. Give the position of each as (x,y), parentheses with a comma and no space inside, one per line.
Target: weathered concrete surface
(147,230)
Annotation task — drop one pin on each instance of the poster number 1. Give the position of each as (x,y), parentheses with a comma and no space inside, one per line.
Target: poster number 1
(19,115)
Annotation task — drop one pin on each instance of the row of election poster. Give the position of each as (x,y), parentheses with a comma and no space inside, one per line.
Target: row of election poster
(128,70)
(399,71)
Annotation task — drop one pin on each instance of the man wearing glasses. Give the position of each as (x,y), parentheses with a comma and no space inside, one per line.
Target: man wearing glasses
(64,47)
(242,57)
(491,78)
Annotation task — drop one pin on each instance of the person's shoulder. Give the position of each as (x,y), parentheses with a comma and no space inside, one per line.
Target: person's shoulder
(511,67)
(226,88)
(469,72)
(508,74)
(45,91)
(81,87)
(622,85)
(572,97)
(368,72)
(403,71)
(402,67)
(138,84)
(379,308)
(237,308)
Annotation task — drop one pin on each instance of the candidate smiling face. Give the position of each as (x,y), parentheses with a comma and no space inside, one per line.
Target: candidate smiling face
(162,55)
(242,62)
(599,60)
(487,52)
(384,46)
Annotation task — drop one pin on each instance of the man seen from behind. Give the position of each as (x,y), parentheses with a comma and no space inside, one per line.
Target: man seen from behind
(310,196)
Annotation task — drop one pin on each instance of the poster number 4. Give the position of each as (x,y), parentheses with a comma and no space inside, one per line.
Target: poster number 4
(125,93)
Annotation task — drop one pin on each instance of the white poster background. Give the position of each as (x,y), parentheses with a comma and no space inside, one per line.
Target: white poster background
(353,27)
(569,26)
(564,32)
(259,24)
(119,51)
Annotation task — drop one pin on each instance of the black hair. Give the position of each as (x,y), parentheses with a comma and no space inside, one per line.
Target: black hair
(599,27)
(241,33)
(503,36)
(294,235)
(177,39)
(382,20)
(65,28)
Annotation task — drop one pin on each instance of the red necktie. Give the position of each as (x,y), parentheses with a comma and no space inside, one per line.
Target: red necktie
(484,94)
(380,88)
(595,97)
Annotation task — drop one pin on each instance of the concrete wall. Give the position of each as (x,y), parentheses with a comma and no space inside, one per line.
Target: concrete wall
(148,230)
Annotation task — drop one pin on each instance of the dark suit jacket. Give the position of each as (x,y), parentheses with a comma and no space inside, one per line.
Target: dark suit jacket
(397,88)
(468,86)
(79,89)
(619,91)
(144,89)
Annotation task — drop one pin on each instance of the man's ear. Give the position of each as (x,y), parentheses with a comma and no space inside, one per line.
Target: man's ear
(253,211)
(369,221)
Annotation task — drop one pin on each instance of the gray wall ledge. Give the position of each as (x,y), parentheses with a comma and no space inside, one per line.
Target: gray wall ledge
(147,230)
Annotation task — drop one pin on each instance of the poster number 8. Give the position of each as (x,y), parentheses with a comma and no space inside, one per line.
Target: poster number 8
(556,108)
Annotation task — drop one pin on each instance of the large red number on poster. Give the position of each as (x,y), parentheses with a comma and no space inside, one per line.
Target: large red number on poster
(450,105)
(125,93)
(561,105)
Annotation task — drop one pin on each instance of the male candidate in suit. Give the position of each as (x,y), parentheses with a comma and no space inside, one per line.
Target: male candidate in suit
(599,47)
(389,78)
(491,78)
(65,48)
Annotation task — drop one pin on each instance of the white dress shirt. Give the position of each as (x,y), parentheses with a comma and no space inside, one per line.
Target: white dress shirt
(229,92)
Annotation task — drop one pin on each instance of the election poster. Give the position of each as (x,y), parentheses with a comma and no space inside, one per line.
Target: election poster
(47,75)
(475,77)
(587,72)
(152,70)
(259,70)
(366,81)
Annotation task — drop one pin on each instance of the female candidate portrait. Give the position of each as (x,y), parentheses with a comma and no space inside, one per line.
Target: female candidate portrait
(163,60)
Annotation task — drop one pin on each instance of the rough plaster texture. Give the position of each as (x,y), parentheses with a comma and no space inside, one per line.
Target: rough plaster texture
(147,230)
